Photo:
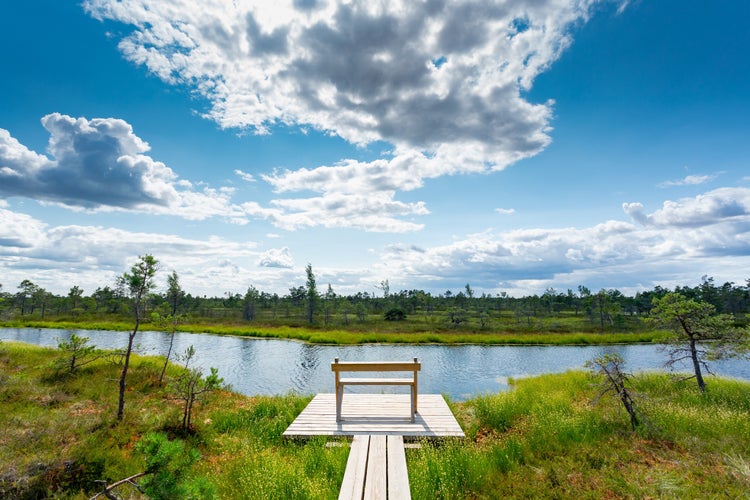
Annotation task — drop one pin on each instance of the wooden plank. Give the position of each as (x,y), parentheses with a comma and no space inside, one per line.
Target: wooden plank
(376,483)
(398,476)
(376,366)
(376,381)
(366,413)
(356,469)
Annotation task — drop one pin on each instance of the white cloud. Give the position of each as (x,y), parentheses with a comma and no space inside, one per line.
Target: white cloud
(690,180)
(707,234)
(612,254)
(244,176)
(505,211)
(623,5)
(16,159)
(266,63)
(723,205)
(263,63)
(17,231)
(376,212)
(276,257)
(101,165)
(58,257)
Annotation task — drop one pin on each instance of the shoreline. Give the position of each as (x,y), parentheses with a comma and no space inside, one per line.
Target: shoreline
(344,337)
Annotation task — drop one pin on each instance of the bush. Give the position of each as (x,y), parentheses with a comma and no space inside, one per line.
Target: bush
(395,314)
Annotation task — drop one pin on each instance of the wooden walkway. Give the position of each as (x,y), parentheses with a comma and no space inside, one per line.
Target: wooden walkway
(376,414)
(376,469)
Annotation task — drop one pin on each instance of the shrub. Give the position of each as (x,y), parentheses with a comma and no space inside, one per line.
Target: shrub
(395,314)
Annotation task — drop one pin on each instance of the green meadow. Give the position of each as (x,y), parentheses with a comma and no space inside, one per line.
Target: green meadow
(544,438)
(406,333)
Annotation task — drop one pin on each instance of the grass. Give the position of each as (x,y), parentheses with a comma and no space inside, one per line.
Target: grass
(545,439)
(542,439)
(318,335)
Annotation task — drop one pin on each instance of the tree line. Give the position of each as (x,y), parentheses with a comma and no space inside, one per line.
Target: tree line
(305,304)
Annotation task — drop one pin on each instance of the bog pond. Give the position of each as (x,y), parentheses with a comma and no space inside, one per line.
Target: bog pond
(267,366)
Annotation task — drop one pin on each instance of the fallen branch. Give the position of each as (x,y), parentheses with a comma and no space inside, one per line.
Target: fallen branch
(107,489)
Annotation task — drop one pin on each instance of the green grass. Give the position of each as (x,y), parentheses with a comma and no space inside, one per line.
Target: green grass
(319,335)
(542,439)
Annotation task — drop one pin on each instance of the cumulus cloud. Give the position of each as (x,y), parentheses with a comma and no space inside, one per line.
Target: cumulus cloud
(265,63)
(505,211)
(625,255)
(443,82)
(17,231)
(276,257)
(709,233)
(58,257)
(100,164)
(723,205)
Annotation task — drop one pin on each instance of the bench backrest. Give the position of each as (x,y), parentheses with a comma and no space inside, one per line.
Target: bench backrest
(376,366)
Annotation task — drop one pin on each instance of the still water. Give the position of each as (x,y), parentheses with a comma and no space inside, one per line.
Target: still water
(266,366)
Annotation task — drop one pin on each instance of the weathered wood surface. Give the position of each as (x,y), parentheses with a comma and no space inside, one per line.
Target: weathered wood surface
(375,367)
(376,481)
(356,468)
(376,414)
(376,381)
(398,476)
(376,469)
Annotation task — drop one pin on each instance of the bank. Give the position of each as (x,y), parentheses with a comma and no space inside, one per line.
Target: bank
(320,335)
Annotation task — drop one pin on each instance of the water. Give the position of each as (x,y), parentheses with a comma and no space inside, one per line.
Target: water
(267,366)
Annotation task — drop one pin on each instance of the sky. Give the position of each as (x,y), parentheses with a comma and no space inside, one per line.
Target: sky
(513,145)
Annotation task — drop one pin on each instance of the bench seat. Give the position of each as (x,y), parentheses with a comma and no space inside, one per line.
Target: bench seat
(376,381)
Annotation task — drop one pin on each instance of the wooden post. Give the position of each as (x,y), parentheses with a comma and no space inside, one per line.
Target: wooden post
(339,393)
(414,397)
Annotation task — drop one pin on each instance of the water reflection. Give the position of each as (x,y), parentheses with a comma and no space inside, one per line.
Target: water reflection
(268,366)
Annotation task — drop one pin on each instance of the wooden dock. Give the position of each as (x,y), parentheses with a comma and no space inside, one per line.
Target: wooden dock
(376,414)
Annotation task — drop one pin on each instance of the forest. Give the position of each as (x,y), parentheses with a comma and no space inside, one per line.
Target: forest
(580,310)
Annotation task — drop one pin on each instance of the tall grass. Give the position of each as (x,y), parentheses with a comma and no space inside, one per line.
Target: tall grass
(256,462)
(542,439)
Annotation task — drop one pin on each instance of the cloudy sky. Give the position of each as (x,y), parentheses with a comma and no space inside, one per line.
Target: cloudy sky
(514,145)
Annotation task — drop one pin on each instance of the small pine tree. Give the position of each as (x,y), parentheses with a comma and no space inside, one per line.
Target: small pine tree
(79,352)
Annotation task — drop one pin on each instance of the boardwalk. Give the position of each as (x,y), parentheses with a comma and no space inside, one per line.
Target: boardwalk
(376,414)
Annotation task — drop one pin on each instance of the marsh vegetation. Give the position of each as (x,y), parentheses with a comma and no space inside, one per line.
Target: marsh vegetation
(543,438)
(571,316)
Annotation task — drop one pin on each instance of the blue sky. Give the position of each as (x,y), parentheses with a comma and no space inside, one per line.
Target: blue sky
(512,145)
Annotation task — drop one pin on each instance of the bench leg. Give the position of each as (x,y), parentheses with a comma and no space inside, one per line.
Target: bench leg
(415,399)
(413,402)
(339,398)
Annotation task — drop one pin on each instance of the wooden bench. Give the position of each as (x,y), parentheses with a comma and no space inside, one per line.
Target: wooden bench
(376,469)
(375,366)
